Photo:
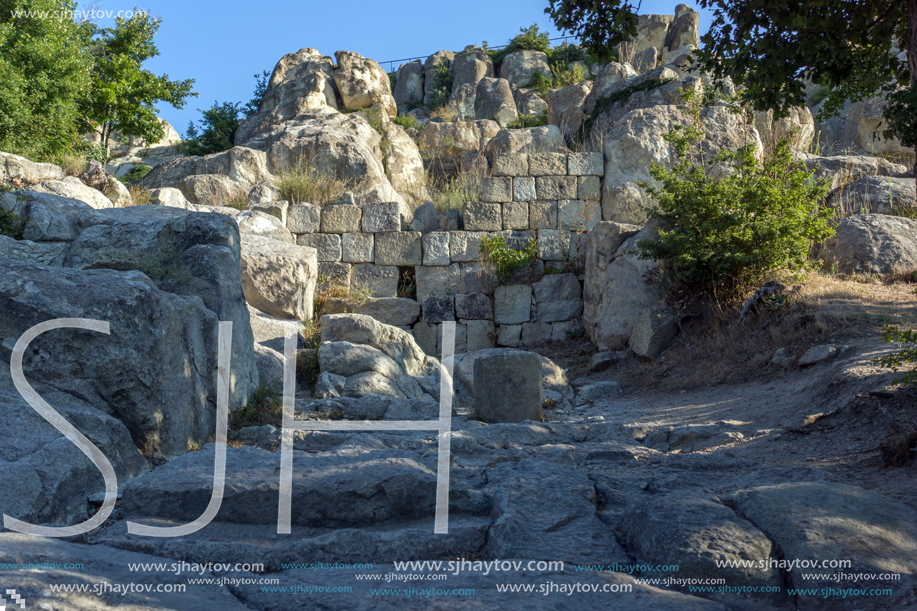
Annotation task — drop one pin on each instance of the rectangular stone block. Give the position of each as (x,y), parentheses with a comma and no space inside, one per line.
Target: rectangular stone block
(558,297)
(585,164)
(303,218)
(381,281)
(438,308)
(426,336)
(381,217)
(516,215)
(555,187)
(443,280)
(534,333)
(547,164)
(358,248)
(589,188)
(577,215)
(524,188)
(513,304)
(509,335)
(480,335)
(465,245)
(565,330)
(399,248)
(496,189)
(436,248)
(543,215)
(473,306)
(553,245)
(276,209)
(332,275)
(327,245)
(477,278)
(481,216)
(511,164)
(341,218)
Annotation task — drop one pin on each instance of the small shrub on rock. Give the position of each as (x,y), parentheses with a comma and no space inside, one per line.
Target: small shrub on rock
(135,173)
(901,360)
(265,406)
(723,233)
(506,260)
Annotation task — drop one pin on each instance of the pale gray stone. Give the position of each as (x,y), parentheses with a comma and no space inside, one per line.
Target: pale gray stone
(534,333)
(543,215)
(516,215)
(585,164)
(278,278)
(653,331)
(443,280)
(555,187)
(380,280)
(436,248)
(510,336)
(589,188)
(402,248)
(358,248)
(512,304)
(511,164)
(480,335)
(548,164)
(333,274)
(465,246)
(326,245)
(497,189)
(276,209)
(303,218)
(394,311)
(341,218)
(426,336)
(820,354)
(563,331)
(553,245)
(524,188)
(558,297)
(578,215)
(482,216)
(382,217)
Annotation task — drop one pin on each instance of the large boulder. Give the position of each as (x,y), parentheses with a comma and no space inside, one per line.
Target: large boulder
(874,244)
(72,188)
(302,83)
(637,141)
(278,278)
(652,31)
(871,129)
(565,107)
(507,387)
(19,172)
(658,87)
(798,128)
(860,127)
(494,100)
(844,170)
(213,190)
(404,165)
(429,72)
(611,77)
(530,102)
(553,377)
(458,143)
(156,370)
(238,169)
(520,67)
(186,253)
(875,194)
(409,86)
(544,139)
(363,83)
(685,30)
(470,66)
(614,297)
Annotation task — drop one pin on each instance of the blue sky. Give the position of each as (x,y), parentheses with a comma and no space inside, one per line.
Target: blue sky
(222,44)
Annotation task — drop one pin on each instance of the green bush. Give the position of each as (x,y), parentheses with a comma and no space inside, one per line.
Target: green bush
(442,85)
(529,39)
(405,122)
(135,173)
(265,406)
(507,261)
(217,130)
(529,120)
(11,225)
(898,360)
(722,233)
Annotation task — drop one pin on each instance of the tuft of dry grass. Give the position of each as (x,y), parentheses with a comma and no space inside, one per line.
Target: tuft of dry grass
(713,349)
(74,164)
(140,196)
(304,182)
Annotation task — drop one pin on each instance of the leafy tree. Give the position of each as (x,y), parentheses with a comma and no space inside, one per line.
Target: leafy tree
(767,47)
(44,75)
(601,25)
(218,130)
(261,83)
(123,94)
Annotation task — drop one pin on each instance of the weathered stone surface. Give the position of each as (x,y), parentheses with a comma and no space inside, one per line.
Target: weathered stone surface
(409,86)
(470,66)
(303,218)
(614,295)
(611,77)
(71,187)
(494,100)
(386,216)
(444,280)
(530,102)
(403,164)
(565,107)
(513,304)
(547,164)
(480,335)
(798,128)
(585,164)
(875,194)
(19,172)
(516,215)
(473,306)
(261,193)
(358,248)
(169,197)
(465,245)
(341,219)
(399,248)
(362,83)
(600,391)
(483,216)
(534,333)
(511,164)
(524,188)
(436,248)
(510,335)
(685,30)
(555,187)
(425,219)
(544,139)
(507,387)
(700,535)
(278,278)
(652,31)
(519,67)
(276,209)
(429,67)
(554,245)
(439,308)
(496,189)
(553,377)
(543,215)
(821,520)
(567,329)
(395,311)
(379,280)
(589,188)
(326,245)
(260,224)
(394,342)
(653,331)
(456,144)
(558,297)
(333,274)
(241,167)
(213,190)
(820,354)
(578,215)
(873,244)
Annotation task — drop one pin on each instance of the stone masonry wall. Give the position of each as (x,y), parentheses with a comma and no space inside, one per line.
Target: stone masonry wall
(554,197)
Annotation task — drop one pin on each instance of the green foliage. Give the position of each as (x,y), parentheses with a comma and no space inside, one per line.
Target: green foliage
(560,57)
(261,83)
(821,92)
(721,233)
(507,261)
(392,80)
(11,225)
(621,95)
(123,95)
(529,39)
(899,360)
(442,85)
(601,25)
(135,173)
(265,406)
(529,120)
(305,182)
(843,46)
(44,76)
(217,130)
(405,122)
(307,368)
